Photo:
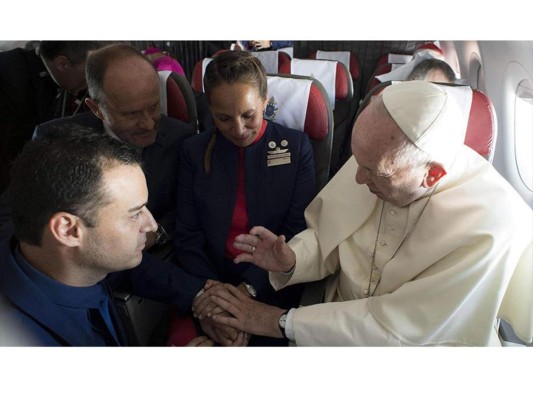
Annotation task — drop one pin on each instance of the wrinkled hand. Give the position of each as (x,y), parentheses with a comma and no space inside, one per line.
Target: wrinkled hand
(247,315)
(200,341)
(264,249)
(224,335)
(202,305)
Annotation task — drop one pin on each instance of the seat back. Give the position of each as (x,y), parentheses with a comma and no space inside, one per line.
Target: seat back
(373,81)
(394,58)
(301,102)
(272,60)
(337,81)
(346,57)
(177,98)
(482,127)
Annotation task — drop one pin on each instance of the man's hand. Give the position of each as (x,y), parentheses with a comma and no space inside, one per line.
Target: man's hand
(200,341)
(247,315)
(266,250)
(222,334)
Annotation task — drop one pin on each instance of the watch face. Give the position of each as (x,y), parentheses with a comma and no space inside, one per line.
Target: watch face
(283,320)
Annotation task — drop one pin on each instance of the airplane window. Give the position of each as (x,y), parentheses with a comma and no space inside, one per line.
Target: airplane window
(524,132)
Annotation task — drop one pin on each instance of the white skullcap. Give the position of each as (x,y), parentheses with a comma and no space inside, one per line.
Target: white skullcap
(428,115)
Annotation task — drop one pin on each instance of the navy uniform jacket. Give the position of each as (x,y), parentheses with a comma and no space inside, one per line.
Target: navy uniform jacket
(160,162)
(29,317)
(276,198)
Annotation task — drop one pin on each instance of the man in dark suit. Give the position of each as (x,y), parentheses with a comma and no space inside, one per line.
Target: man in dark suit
(124,99)
(79,200)
(37,86)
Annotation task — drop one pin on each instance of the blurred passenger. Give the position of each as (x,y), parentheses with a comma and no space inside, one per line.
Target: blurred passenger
(37,86)
(432,70)
(162,61)
(414,250)
(262,45)
(79,208)
(124,100)
(245,171)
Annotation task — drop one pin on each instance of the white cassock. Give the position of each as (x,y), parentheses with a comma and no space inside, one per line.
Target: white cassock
(446,283)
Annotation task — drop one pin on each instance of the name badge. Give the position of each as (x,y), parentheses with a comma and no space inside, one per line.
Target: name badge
(277,155)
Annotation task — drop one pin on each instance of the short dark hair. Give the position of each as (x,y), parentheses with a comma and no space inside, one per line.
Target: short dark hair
(421,70)
(99,61)
(235,67)
(76,52)
(62,172)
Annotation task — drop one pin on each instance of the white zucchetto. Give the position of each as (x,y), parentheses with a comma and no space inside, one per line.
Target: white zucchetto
(428,115)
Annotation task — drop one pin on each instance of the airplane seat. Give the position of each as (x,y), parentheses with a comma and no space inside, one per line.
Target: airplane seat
(177,98)
(272,60)
(373,81)
(298,102)
(301,102)
(349,59)
(394,58)
(205,120)
(337,81)
(145,321)
(482,125)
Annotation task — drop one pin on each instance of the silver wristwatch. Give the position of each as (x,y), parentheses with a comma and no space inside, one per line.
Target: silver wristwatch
(282,322)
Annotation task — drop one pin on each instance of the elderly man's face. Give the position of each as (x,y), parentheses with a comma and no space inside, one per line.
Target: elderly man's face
(375,139)
(131,106)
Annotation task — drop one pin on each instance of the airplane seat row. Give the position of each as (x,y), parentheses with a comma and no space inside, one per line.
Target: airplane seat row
(389,62)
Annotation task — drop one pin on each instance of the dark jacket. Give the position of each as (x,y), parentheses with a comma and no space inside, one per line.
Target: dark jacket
(276,198)
(28,316)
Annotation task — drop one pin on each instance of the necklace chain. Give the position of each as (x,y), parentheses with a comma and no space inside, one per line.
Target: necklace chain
(411,229)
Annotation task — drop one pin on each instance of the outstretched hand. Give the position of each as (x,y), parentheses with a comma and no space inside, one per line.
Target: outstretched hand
(265,249)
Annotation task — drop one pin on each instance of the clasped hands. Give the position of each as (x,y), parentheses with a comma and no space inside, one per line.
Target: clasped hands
(228,314)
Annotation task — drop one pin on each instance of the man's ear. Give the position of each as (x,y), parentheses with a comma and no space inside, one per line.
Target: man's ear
(434,174)
(61,63)
(66,228)
(95,107)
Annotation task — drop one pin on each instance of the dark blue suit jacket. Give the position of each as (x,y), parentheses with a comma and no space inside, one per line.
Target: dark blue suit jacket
(276,198)
(160,162)
(26,311)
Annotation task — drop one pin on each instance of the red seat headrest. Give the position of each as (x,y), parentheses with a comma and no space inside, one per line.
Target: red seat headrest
(480,132)
(177,107)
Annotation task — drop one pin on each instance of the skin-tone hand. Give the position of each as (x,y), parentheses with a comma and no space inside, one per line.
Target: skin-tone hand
(261,44)
(247,315)
(265,249)
(224,335)
(200,341)
(202,305)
